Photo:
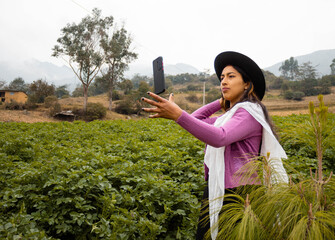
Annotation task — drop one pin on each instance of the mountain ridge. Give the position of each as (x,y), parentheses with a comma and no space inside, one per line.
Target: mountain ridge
(33,69)
(320,59)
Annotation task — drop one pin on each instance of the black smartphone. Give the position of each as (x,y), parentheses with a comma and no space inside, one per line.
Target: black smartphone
(159,80)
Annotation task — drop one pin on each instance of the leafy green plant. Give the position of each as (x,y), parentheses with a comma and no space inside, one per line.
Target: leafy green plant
(130,179)
(100,180)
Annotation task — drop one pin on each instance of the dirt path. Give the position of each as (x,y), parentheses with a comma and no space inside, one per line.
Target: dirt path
(24,116)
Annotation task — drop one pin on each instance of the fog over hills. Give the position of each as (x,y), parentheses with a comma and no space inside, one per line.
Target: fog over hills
(321,60)
(33,69)
(169,69)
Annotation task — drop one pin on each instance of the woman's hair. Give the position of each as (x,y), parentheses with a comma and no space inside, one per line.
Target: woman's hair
(249,95)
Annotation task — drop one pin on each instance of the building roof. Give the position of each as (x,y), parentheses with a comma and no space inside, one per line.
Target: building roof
(9,90)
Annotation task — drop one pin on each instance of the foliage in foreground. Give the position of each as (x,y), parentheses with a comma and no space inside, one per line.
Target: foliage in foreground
(131,180)
(99,180)
(299,210)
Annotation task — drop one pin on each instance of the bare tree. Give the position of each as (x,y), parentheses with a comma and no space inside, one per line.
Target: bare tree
(81,43)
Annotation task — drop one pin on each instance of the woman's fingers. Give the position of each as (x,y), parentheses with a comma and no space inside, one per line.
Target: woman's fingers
(154,116)
(171,98)
(156,110)
(163,108)
(151,102)
(156,97)
(152,110)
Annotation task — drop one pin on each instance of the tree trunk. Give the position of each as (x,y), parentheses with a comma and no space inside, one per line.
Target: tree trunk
(111,86)
(110,96)
(85,96)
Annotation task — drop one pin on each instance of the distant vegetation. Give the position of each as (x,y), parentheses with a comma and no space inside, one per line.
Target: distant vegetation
(127,93)
(297,81)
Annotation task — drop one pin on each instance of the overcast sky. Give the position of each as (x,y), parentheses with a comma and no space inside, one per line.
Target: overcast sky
(182,31)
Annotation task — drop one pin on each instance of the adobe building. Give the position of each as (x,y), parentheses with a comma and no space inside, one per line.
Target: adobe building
(6,96)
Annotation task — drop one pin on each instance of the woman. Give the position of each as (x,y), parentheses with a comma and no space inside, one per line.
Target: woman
(242,132)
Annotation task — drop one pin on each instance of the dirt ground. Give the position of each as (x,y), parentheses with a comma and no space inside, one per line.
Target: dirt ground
(283,107)
(41,116)
(24,116)
(274,104)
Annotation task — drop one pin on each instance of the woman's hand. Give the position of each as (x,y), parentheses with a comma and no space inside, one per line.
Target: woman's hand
(162,107)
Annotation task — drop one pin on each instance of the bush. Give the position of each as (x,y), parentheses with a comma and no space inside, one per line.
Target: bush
(312,91)
(193,87)
(329,78)
(213,95)
(94,111)
(128,106)
(56,108)
(14,105)
(65,96)
(298,96)
(288,95)
(49,101)
(182,103)
(193,98)
(277,83)
(30,104)
(116,95)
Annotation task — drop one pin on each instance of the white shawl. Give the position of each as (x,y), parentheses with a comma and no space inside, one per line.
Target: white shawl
(214,159)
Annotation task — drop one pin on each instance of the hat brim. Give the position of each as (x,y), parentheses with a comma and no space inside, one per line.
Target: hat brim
(246,64)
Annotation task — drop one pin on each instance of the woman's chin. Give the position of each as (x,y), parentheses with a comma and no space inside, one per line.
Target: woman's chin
(227,98)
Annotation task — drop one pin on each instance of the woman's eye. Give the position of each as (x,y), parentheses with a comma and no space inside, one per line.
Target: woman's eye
(231,76)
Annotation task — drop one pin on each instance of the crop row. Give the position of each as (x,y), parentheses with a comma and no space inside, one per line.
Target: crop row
(112,179)
(118,180)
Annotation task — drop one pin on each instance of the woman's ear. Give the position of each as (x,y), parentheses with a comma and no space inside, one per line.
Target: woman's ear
(246,85)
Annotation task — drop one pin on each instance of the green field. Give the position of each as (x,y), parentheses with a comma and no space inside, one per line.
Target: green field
(112,179)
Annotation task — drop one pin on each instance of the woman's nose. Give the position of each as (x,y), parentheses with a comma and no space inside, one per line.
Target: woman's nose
(223,82)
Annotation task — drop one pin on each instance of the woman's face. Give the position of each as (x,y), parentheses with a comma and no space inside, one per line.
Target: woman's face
(232,84)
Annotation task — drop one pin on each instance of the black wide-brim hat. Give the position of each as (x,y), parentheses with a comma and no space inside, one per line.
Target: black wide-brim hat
(246,64)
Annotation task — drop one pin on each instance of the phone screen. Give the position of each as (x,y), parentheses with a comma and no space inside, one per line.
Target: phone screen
(159,80)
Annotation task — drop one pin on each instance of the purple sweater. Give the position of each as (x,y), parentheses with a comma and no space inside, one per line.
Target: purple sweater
(241,136)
